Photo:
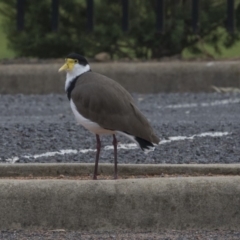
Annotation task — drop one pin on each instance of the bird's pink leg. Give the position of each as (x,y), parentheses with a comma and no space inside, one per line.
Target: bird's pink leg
(115,156)
(97,157)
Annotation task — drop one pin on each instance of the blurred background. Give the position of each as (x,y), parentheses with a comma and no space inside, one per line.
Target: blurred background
(121,29)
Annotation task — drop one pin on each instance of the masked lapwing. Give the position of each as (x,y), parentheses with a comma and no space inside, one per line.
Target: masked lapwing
(103,106)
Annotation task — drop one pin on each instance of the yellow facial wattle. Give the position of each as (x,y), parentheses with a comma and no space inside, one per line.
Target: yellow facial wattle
(69,64)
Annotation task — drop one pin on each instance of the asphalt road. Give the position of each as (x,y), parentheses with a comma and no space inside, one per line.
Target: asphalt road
(194,128)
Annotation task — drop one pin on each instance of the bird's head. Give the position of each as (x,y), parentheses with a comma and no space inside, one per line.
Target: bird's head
(75,63)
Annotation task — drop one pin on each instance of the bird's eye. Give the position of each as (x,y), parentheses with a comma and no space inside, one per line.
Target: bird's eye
(76,61)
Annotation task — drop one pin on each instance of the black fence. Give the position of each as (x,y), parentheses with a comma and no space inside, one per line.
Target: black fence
(125,15)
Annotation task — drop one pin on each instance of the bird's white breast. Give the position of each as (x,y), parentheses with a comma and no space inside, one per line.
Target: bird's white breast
(76,71)
(88,124)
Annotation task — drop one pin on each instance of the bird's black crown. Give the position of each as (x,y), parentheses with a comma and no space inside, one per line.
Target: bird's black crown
(81,60)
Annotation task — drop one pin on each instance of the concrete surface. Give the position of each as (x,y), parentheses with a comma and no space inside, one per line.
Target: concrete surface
(78,169)
(61,234)
(135,77)
(131,204)
(150,204)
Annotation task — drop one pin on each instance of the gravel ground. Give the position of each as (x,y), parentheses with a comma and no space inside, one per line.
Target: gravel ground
(165,235)
(37,124)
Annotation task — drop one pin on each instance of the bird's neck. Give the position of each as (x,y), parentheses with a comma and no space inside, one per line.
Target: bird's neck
(73,75)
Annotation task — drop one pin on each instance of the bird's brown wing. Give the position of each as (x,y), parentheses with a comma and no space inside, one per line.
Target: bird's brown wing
(107,103)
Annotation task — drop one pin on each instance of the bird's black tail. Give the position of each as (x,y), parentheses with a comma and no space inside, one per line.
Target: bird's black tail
(144,144)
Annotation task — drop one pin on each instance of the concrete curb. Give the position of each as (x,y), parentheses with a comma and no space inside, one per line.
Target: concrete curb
(150,204)
(135,77)
(79,169)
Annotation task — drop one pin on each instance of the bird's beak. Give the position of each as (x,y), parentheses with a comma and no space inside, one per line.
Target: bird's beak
(64,67)
(68,66)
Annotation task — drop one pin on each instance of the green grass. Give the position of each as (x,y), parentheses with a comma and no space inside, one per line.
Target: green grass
(226,53)
(5,52)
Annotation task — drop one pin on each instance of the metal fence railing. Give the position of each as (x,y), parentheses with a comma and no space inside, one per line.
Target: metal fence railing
(125,14)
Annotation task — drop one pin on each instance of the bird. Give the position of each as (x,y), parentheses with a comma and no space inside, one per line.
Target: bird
(104,107)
